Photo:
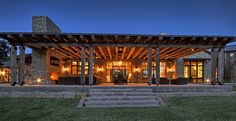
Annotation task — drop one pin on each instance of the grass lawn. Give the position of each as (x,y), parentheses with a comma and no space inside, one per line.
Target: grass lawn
(178,109)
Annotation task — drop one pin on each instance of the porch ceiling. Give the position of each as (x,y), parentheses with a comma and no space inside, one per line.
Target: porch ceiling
(118,46)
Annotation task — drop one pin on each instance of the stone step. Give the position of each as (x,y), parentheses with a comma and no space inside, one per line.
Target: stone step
(104,98)
(122,90)
(121,103)
(120,94)
(121,106)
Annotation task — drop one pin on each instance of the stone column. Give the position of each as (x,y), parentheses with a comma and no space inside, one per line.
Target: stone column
(13,65)
(157,65)
(221,62)
(22,65)
(150,65)
(213,65)
(82,75)
(90,65)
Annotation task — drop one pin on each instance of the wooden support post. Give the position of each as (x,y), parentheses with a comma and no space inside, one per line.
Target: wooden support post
(22,66)
(90,65)
(82,75)
(13,65)
(221,62)
(150,65)
(213,65)
(157,65)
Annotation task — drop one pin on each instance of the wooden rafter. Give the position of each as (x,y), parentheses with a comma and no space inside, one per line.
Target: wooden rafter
(138,52)
(117,56)
(70,51)
(143,53)
(130,52)
(189,52)
(123,54)
(101,51)
(109,52)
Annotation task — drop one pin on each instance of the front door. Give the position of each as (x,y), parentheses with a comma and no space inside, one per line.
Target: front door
(194,71)
(118,75)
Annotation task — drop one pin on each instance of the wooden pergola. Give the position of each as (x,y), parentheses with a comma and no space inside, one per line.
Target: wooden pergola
(120,47)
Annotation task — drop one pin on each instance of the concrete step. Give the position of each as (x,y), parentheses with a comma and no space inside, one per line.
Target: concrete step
(122,90)
(104,98)
(120,94)
(120,103)
(121,106)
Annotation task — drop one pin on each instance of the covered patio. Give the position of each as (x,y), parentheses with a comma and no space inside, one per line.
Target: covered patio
(91,57)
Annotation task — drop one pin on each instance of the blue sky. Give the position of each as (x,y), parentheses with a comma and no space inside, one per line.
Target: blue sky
(185,17)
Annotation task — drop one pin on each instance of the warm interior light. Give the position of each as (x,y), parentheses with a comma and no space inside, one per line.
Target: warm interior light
(119,63)
(2,73)
(39,80)
(99,69)
(192,49)
(136,69)
(66,69)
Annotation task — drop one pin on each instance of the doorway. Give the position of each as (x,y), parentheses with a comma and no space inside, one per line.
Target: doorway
(194,70)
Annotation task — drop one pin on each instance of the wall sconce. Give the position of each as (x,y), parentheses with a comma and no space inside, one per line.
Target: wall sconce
(39,80)
(99,69)
(208,81)
(136,69)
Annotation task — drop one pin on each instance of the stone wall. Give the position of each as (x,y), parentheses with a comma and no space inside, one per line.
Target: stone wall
(41,67)
(200,55)
(44,24)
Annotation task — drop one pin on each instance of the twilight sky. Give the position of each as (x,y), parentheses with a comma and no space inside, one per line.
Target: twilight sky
(185,17)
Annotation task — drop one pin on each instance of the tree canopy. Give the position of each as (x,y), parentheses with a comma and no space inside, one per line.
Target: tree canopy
(4,50)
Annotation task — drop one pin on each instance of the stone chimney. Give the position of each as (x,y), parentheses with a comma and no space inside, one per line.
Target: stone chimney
(41,67)
(44,24)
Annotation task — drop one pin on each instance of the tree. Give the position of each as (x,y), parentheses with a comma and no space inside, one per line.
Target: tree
(4,50)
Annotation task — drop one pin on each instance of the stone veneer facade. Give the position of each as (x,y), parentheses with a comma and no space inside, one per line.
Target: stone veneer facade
(41,67)
(197,56)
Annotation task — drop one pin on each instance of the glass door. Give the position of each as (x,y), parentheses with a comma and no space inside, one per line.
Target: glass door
(194,71)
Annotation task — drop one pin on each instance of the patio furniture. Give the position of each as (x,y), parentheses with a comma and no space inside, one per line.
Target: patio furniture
(163,80)
(180,81)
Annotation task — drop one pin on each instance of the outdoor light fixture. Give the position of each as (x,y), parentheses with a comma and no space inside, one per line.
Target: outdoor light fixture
(39,80)
(208,80)
(231,54)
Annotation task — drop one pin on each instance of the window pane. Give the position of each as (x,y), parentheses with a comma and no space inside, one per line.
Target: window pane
(74,69)
(193,71)
(200,72)
(186,71)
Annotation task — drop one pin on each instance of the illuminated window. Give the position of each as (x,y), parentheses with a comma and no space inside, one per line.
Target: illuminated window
(194,70)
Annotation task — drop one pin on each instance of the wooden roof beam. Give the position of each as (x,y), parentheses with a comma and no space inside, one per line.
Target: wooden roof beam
(130,52)
(123,54)
(145,52)
(116,49)
(138,52)
(109,52)
(101,51)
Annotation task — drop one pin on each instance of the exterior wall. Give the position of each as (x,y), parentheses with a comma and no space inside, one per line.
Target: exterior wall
(41,67)
(230,67)
(200,55)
